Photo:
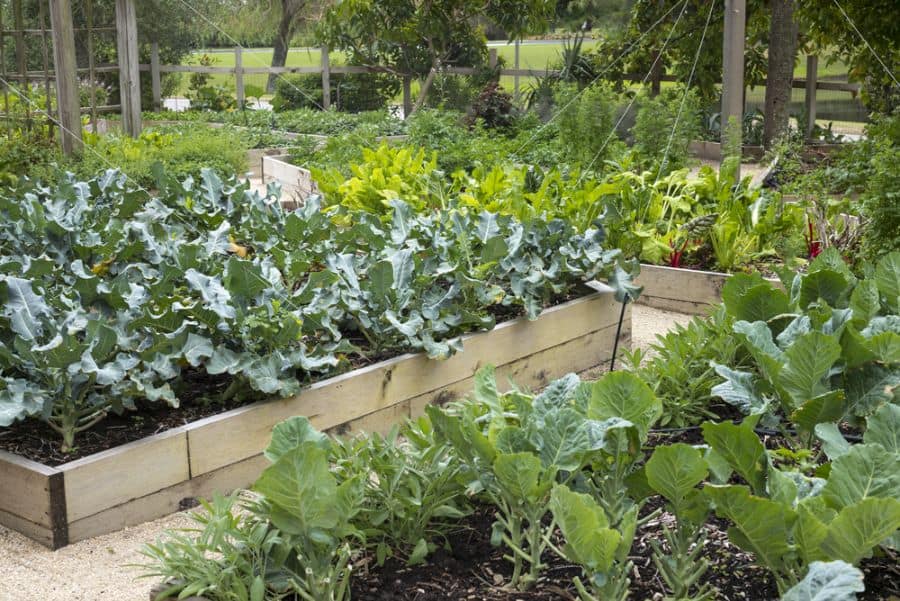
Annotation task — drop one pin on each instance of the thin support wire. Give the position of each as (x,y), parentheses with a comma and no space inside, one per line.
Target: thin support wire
(687,89)
(866,42)
(599,75)
(650,71)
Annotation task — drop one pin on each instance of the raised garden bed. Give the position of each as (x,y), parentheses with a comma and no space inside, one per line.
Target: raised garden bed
(690,291)
(296,182)
(160,474)
(712,151)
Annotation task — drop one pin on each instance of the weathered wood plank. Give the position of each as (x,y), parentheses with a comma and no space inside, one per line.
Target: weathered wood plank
(130,471)
(380,421)
(25,489)
(64,59)
(129,67)
(690,291)
(231,436)
(168,500)
(37,532)
(536,371)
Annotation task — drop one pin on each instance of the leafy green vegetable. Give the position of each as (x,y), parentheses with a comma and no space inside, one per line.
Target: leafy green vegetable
(110,295)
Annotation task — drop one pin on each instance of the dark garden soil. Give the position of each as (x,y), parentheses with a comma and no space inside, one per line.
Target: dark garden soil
(471,569)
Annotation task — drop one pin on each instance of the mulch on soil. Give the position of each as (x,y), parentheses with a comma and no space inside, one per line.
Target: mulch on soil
(471,569)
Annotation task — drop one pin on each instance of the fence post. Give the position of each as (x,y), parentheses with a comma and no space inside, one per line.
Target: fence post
(326,80)
(516,66)
(66,77)
(733,78)
(812,75)
(492,58)
(129,66)
(154,76)
(239,76)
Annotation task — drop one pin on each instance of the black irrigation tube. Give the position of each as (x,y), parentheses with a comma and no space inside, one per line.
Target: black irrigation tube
(612,361)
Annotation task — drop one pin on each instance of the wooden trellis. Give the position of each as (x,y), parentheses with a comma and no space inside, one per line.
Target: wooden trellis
(58,75)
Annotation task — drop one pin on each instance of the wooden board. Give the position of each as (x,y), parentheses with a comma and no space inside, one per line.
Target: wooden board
(232,436)
(688,291)
(25,489)
(538,370)
(127,472)
(169,500)
(37,532)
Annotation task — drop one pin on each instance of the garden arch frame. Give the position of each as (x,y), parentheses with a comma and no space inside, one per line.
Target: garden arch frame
(52,23)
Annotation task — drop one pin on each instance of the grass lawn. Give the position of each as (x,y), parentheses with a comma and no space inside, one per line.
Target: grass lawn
(531,56)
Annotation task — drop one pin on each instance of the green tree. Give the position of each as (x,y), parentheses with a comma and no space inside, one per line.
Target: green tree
(838,32)
(415,38)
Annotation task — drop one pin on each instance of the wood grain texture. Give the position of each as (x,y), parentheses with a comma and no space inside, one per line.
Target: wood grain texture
(25,489)
(232,436)
(169,500)
(539,369)
(690,291)
(39,533)
(130,471)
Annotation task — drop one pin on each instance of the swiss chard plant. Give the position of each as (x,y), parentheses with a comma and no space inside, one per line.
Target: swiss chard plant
(825,350)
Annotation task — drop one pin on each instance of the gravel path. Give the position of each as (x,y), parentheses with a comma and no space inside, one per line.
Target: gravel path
(95,570)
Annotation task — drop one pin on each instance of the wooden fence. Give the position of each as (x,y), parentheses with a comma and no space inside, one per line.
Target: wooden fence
(810,85)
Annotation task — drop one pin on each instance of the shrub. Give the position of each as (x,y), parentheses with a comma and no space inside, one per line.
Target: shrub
(297,92)
(182,151)
(655,125)
(587,124)
(350,92)
(28,154)
(493,107)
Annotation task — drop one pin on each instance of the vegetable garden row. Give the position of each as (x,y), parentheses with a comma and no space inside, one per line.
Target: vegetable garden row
(582,470)
(168,293)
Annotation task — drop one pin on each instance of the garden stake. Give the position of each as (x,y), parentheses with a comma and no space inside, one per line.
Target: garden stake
(612,361)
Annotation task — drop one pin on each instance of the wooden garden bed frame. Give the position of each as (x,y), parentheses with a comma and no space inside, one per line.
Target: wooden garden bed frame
(690,291)
(152,477)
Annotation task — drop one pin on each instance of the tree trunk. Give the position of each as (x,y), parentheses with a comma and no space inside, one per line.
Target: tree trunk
(423,91)
(290,9)
(780,73)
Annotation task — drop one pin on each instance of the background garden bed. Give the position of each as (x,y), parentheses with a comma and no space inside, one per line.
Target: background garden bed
(160,474)
(690,291)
